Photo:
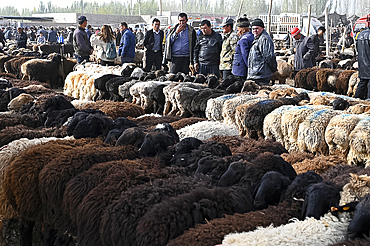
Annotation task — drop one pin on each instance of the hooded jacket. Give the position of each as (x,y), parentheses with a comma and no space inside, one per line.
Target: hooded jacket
(363,49)
(261,60)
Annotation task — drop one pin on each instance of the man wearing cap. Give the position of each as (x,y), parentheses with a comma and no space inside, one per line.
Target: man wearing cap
(303,49)
(229,42)
(2,38)
(127,45)
(153,43)
(21,38)
(207,50)
(363,50)
(180,44)
(81,43)
(240,63)
(261,60)
(318,39)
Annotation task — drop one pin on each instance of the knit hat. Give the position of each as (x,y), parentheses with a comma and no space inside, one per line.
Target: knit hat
(258,22)
(242,22)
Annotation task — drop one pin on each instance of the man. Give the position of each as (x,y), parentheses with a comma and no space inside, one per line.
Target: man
(240,63)
(88,31)
(153,43)
(180,44)
(118,36)
(207,50)
(229,42)
(335,36)
(127,45)
(81,43)
(318,39)
(363,50)
(303,49)
(52,36)
(139,36)
(2,37)
(21,38)
(345,41)
(43,32)
(261,59)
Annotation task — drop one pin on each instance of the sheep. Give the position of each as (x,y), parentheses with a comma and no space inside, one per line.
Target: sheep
(16,103)
(4,59)
(323,79)
(340,104)
(116,109)
(158,225)
(229,107)
(338,130)
(7,95)
(184,95)
(300,79)
(11,119)
(99,84)
(358,109)
(5,84)
(352,84)
(123,215)
(44,70)
(124,90)
(139,58)
(342,82)
(206,129)
(111,87)
(272,124)
(13,66)
(320,197)
(55,175)
(290,121)
(359,225)
(340,174)
(214,107)
(319,164)
(253,116)
(357,187)
(358,153)
(284,70)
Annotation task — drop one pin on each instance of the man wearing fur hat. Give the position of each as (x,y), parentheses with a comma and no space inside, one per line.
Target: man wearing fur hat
(240,63)
(261,60)
(230,39)
(303,49)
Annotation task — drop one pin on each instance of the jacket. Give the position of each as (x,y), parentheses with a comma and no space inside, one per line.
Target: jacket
(228,50)
(101,47)
(262,60)
(207,49)
(192,39)
(21,39)
(240,63)
(303,57)
(127,44)
(52,36)
(363,49)
(149,40)
(2,38)
(81,43)
(317,41)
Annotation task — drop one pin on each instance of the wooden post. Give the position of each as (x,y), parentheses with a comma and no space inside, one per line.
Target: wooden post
(160,7)
(269,19)
(309,20)
(327,31)
(240,9)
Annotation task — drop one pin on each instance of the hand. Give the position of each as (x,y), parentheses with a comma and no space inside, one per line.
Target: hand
(180,28)
(196,66)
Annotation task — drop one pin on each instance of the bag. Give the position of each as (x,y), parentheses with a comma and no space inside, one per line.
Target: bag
(111,52)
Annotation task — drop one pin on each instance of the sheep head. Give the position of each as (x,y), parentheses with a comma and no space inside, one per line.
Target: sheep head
(358,187)
(17,103)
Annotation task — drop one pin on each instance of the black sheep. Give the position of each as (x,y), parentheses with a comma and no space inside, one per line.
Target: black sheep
(229,80)
(340,104)
(132,136)
(212,81)
(273,185)
(155,143)
(176,77)
(297,189)
(233,174)
(59,117)
(79,116)
(170,218)
(235,87)
(189,78)
(57,103)
(112,85)
(319,199)
(5,84)
(119,126)
(255,114)
(158,99)
(99,84)
(93,126)
(127,71)
(200,79)
(360,224)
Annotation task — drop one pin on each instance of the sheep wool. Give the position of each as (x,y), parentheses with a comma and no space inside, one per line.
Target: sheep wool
(272,124)
(359,154)
(358,186)
(311,232)
(206,129)
(214,106)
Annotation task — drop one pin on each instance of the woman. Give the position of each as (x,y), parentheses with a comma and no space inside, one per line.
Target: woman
(101,41)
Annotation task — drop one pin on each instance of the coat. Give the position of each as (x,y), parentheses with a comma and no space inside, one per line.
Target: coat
(149,39)
(363,49)
(208,48)
(240,63)
(81,43)
(101,47)
(305,51)
(261,60)
(228,50)
(127,44)
(192,39)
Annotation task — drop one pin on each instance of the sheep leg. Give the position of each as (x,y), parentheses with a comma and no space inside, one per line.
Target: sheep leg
(49,235)
(25,232)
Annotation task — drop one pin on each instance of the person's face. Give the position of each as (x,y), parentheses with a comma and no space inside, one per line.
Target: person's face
(84,24)
(206,30)
(240,31)
(19,30)
(122,28)
(257,30)
(226,29)
(298,36)
(182,21)
(320,32)
(156,26)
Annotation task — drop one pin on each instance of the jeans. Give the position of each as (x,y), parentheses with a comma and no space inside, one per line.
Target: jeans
(127,59)
(80,59)
(209,69)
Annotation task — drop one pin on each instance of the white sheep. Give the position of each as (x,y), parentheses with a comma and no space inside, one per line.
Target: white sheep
(359,144)
(214,106)
(204,130)
(137,73)
(338,130)
(358,186)
(16,103)
(272,124)
(352,84)
(311,132)
(124,90)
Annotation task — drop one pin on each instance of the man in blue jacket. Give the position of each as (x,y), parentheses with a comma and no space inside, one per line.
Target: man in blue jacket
(240,62)
(52,36)
(81,43)
(127,45)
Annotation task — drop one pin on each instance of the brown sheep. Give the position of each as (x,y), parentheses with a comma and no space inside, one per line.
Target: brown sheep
(4,59)
(322,76)
(319,164)
(341,84)
(13,66)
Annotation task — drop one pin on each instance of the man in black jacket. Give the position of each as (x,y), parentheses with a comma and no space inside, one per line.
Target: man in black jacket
(2,38)
(207,50)
(21,38)
(363,49)
(153,43)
